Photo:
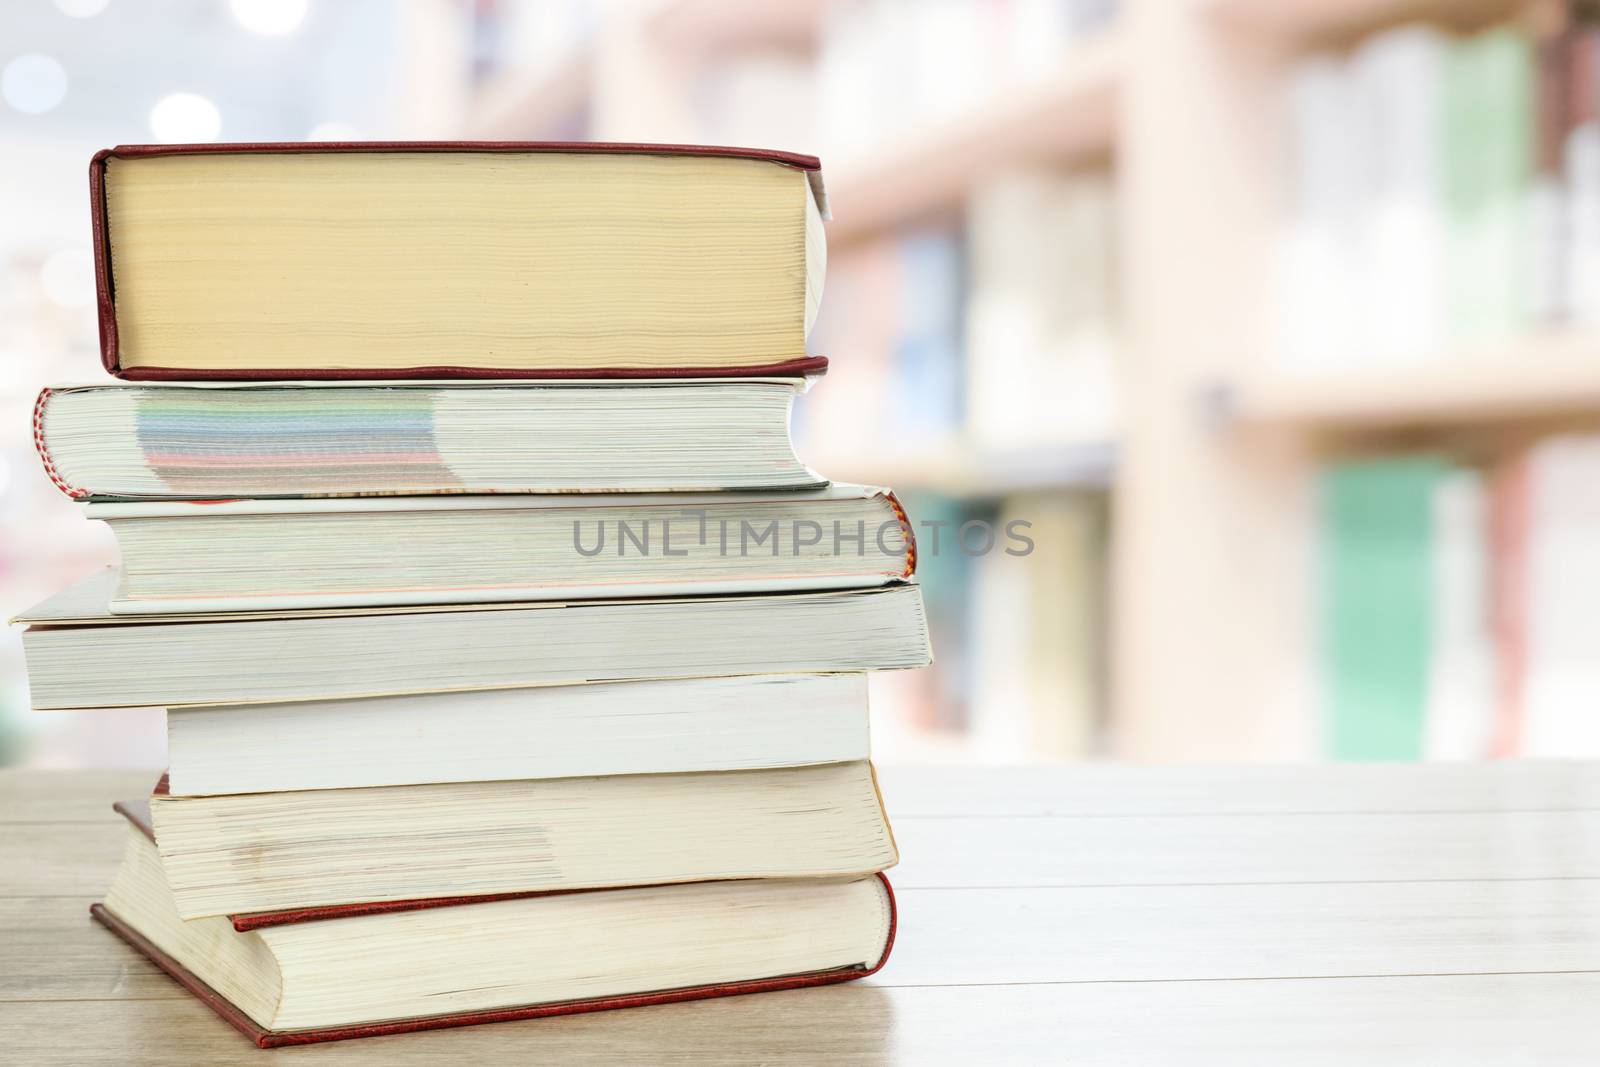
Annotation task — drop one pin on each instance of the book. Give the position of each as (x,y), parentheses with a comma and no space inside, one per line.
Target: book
(650,727)
(1398,79)
(80,655)
(271,851)
(1560,581)
(291,979)
(1377,600)
(438,259)
(1581,169)
(192,441)
(928,372)
(1459,718)
(180,557)
(1317,326)
(1041,332)
(1489,154)
(1508,537)
(1546,207)
(1036,633)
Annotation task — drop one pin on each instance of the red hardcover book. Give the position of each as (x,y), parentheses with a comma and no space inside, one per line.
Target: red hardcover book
(137,814)
(455,259)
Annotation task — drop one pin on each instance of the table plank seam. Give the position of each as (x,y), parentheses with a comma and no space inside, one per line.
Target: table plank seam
(181,995)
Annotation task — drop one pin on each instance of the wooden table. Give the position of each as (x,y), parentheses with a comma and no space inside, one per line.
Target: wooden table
(1339,915)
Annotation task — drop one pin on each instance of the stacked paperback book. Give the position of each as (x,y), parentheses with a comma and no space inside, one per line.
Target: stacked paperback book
(513,663)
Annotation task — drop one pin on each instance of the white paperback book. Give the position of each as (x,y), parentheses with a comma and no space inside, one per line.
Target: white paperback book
(250,555)
(653,727)
(80,655)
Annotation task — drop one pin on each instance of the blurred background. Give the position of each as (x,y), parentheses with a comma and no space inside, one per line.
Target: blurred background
(1279,321)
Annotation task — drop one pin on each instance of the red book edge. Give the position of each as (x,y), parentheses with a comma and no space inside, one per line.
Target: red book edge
(264,1038)
(105,287)
(906,530)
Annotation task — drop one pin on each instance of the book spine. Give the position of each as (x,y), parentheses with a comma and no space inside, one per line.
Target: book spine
(105,306)
(43,449)
(906,531)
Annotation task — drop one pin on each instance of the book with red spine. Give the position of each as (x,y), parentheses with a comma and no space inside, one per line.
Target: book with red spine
(455,260)
(856,899)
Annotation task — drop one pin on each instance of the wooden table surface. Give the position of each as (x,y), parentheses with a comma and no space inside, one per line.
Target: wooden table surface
(1085,915)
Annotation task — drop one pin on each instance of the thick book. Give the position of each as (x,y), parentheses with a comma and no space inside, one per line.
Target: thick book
(271,851)
(207,441)
(655,727)
(81,655)
(292,978)
(180,557)
(444,260)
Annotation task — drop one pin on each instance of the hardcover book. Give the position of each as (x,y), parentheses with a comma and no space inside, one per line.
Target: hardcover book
(319,848)
(455,260)
(295,978)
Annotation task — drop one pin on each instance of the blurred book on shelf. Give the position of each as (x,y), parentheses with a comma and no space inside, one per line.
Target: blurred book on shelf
(903,66)
(1038,630)
(1377,604)
(1040,321)
(1440,193)
(1457,605)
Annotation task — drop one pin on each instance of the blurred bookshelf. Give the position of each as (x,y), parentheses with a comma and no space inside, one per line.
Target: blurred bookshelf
(1082,210)
(1190,285)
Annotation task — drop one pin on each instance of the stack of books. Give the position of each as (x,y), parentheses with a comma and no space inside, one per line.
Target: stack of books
(513,663)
